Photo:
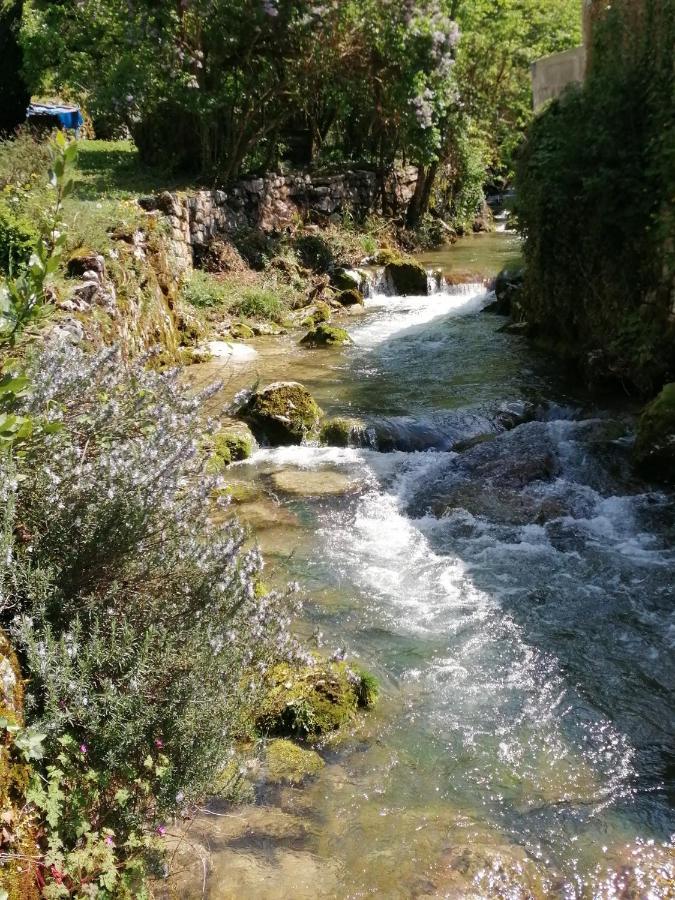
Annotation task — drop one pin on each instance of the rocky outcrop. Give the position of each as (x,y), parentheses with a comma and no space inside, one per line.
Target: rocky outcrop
(282,413)
(654,452)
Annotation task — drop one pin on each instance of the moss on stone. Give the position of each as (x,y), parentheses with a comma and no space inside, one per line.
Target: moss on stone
(309,701)
(346,280)
(407,278)
(340,432)
(289,763)
(351,297)
(321,313)
(282,413)
(240,331)
(654,451)
(326,336)
(367,688)
(385,256)
(230,445)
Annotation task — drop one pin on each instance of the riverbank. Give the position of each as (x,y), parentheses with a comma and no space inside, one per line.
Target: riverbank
(498,565)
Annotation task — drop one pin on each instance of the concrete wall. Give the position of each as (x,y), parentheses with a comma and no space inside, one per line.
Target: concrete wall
(552,74)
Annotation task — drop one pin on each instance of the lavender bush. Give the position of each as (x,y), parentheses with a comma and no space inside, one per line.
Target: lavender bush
(127,591)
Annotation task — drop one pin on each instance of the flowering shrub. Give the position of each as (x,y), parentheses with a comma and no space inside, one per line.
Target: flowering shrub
(132,603)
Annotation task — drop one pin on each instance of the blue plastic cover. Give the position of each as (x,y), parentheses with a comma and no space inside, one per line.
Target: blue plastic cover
(68,117)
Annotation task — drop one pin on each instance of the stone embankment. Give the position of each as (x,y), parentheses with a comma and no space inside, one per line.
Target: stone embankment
(272,203)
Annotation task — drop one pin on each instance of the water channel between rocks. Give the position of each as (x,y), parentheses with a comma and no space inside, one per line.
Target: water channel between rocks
(515,600)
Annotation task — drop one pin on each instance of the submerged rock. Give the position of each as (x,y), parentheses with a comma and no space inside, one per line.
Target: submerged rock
(407,278)
(654,452)
(326,336)
(288,763)
(313,483)
(282,413)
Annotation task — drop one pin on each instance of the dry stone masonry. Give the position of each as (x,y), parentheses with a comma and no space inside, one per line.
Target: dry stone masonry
(272,202)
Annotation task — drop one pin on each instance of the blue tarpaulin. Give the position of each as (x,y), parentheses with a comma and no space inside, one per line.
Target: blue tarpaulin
(68,117)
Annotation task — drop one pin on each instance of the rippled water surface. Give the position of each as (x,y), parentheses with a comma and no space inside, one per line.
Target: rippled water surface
(513,594)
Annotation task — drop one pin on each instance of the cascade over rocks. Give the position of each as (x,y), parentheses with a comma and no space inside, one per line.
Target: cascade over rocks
(281,414)
(654,452)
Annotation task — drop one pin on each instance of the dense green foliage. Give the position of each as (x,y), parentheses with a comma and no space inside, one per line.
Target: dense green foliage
(500,42)
(15,92)
(596,180)
(220,86)
(132,604)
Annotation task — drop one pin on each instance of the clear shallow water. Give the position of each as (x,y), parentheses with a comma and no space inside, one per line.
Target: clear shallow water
(515,601)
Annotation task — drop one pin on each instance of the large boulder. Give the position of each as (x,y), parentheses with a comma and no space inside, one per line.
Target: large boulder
(347,280)
(282,413)
(407,278)
(508,287)
(654,452)
(325,335)
(350,298)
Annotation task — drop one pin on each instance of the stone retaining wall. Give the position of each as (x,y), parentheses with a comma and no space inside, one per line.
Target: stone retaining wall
(272,203)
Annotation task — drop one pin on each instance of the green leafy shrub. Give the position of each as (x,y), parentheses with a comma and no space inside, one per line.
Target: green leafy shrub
(135,613)
(315,252)
(17,241)
(595,182)
(203,290)
(259,302)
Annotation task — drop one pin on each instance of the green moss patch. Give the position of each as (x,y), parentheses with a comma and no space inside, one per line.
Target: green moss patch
(407,278)
(282,413)
(326,336)
(289,763)
(654,451)
(311,701)
(341,432)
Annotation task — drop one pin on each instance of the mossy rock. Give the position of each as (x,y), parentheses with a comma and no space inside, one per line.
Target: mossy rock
(346,280)
(407,278)
(341,432)
(385,256)
(232,445)
(240,331)
(320,313)
(326,336)
(310,701)
(351,297)
(282,413)
(654,452)
(232,783)
(288,763)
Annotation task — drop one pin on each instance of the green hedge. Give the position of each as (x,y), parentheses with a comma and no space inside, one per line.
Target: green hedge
(17,241)
(595,182)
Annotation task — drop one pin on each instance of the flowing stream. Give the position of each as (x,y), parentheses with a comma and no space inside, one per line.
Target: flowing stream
(492,559)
